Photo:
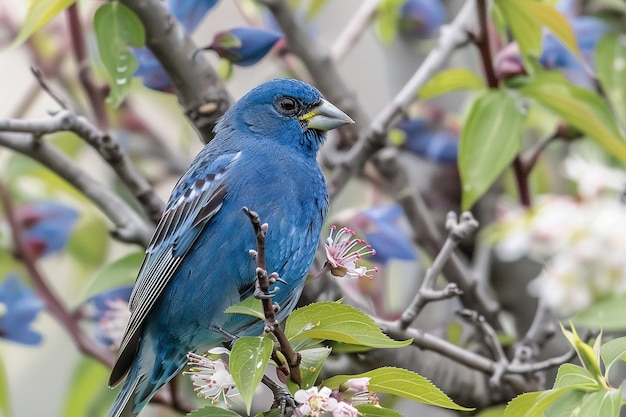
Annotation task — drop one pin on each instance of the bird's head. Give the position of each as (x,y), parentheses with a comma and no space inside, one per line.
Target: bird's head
(286,110)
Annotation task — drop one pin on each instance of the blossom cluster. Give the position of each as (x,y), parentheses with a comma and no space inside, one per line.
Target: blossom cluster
(580,239)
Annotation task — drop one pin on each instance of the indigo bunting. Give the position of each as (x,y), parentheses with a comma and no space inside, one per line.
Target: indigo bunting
(198,263)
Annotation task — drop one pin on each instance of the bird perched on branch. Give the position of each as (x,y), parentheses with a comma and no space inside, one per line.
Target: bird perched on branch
(263,157)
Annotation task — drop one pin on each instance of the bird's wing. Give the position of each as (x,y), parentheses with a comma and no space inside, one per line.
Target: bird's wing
(197,197)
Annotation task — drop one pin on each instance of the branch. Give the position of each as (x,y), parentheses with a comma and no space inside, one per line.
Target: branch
(262,285)
(472,360)
(102,142)
(491,341)
(129,226)
(54,305)
(354,29)
(94,93)
(427,293)
(395,180)
(451,37)
(200,90)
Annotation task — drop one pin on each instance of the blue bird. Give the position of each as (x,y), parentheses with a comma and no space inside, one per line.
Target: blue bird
(263,157)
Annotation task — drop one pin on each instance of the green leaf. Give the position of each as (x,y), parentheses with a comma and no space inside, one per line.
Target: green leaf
(229,41)
(369,410)
(387,18)
(275,412)
(120,272)
(587,355)
(403,383)
(212,411)
(525,27)
(117,27)
(251,306)
(526,18)
(88,389)
(570,375)
(448,81)
(601,403)
(607,314)
(489,141)
(5,399)
(90,241)
(310,367)
(556,22)
(567,405)
(247,363)
(39,13)
(314,8)
(610,56)
(495,411)
(579,107)
(613,351)
(339,322)
(533,404)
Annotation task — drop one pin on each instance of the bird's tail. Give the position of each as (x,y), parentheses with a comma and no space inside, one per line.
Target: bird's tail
(125,401)
(148,373)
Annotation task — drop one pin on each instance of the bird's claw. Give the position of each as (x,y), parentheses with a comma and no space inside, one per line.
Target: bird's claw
(260,295)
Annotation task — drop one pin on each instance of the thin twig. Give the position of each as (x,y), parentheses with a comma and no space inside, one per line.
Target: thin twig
(491,341)
(129,226)
(104,144)
(472,360)
(483,43)
(354,29)
(94,93)
(427,293)
(53,303)
(263,283)
(46,87)
(451,37)
(428,236)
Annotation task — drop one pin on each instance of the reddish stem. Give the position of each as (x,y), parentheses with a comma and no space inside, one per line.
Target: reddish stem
(94,93)
(54,305)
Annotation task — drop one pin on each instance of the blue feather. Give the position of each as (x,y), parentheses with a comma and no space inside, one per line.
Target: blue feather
(263,156)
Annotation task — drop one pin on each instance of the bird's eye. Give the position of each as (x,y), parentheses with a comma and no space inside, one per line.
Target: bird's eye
(288,106)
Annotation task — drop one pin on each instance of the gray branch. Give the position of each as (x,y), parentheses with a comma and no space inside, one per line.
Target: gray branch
(103,143)
(200,91)
(452,36)
(129,225)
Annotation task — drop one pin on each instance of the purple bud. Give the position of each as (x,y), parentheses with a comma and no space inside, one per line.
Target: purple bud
(421,18)
(244,46)
(19,307)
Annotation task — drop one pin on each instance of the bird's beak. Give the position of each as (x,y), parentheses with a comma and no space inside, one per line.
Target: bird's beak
(325,117)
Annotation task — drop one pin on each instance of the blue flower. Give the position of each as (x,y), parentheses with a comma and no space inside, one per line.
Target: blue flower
(19,307)
(588,31)
(244,46)
(46,226)
(421,18)
(151,72)
(385,234)
(190,12)
(435,144)
(110,310)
